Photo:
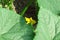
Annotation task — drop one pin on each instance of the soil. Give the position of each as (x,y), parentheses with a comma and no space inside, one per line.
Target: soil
(32,10)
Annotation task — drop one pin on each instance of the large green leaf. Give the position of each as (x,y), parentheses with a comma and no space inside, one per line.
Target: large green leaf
(48,24)
(46,28)
(52,5)
(13,26)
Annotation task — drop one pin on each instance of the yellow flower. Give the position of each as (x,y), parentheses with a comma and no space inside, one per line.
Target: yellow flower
(30,20)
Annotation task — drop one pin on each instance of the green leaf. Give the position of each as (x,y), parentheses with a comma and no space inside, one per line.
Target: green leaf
(49,24)
(13,26)
(52,5)
(46,25)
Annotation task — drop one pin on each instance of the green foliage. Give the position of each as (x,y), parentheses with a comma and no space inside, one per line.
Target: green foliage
(6,4)
(13,26)
(48,27)
(52,5)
